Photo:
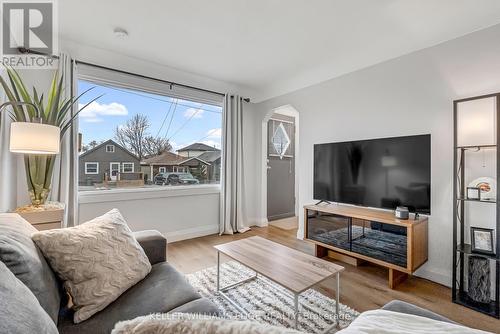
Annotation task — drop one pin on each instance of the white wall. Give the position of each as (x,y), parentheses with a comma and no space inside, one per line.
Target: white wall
(409,95)
(180,213)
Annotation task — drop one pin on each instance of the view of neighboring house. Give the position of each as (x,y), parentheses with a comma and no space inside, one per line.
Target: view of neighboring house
(201,160)
(195,150)
(167,162)
(106,162)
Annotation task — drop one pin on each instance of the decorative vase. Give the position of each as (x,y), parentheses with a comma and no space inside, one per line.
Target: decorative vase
(479,279)
(39,170)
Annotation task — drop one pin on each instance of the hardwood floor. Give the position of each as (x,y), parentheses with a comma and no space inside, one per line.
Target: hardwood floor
(362,288)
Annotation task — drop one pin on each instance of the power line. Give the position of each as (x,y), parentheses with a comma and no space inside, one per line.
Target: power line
(171,119)
(185,123)
(164,119)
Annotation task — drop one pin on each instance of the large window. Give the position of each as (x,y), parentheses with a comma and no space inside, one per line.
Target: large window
(158,139)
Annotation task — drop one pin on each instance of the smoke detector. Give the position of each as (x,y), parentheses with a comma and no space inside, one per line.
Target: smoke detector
(120,33)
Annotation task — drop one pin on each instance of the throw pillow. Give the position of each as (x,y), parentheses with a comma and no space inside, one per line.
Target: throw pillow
(27,263)
(20,311)
(194,324)
(98,261)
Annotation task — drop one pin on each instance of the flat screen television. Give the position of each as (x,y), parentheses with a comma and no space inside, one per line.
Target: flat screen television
(380,173)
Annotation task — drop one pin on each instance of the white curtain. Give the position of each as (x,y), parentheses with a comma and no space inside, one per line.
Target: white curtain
(65,177)
(233,215)
(8,161)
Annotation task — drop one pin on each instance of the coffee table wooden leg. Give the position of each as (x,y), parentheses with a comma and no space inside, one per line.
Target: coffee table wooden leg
(296,305)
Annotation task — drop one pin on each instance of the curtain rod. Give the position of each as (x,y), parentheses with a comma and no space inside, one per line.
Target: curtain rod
(25,50)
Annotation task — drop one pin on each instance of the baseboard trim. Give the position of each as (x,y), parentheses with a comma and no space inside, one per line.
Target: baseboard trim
(443,278)
(190,233)
(263,222)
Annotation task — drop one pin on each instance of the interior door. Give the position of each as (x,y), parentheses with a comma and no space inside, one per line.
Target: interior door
(280,167)
(114,169)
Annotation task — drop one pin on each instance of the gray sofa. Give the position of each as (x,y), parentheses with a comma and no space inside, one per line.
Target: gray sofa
(407,308)
(24,273)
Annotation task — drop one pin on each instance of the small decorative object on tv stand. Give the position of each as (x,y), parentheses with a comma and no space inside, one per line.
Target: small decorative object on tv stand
(476,267)
(402,212)
(355,234)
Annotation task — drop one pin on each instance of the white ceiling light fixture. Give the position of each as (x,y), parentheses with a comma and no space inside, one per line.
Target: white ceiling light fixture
(120,33)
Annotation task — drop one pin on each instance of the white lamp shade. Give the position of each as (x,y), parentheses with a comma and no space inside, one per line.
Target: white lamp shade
(34,138)
(476,122)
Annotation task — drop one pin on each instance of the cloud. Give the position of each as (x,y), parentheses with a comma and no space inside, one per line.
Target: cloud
(193,113)
(214,133)
(94,111)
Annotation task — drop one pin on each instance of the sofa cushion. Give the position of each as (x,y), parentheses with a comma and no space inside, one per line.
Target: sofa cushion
(20,311)
(198,306)
(25,260)
(164,289)
(98,261)
(404,307)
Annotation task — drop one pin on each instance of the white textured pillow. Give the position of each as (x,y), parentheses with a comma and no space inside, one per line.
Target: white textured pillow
(98,261)
(194,324)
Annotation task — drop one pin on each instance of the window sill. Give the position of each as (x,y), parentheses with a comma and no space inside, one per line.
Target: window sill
(132,194)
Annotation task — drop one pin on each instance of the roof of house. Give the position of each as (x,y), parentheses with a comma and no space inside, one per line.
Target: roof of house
(210,156)
(198,147)
(172,159)
(166,158)
(108,142)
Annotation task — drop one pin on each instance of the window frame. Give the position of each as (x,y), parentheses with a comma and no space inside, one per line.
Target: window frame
(128,163)
(162,169)
(112,78)
(112,146)
(87,163)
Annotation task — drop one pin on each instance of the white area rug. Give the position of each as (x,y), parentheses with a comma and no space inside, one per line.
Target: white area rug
(267,302)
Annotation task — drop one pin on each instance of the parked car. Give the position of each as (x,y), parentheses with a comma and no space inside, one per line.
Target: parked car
(187,178)
(162,179)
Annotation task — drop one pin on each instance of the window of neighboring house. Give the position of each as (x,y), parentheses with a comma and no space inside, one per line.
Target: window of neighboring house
(178,169)
(146,117)
(128,167)
(91,168)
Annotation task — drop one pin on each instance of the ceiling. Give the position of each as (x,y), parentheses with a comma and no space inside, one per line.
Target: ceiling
(272,46)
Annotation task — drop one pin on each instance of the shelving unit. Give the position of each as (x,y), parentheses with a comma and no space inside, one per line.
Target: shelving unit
(462,249)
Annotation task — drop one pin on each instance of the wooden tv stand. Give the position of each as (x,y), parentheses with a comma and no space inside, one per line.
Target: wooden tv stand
(352,234)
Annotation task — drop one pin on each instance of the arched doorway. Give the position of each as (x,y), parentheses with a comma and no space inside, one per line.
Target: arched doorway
(280,167)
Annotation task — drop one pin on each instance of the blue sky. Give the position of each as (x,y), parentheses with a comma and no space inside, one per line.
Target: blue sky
(192,122)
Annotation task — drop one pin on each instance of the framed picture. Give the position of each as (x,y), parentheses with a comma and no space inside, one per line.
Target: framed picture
(473,193)
(482,240)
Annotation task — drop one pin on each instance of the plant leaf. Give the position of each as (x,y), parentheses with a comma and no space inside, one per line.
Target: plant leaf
(68,123)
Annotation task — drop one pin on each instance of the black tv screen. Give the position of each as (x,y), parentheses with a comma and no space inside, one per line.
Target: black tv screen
(380,173)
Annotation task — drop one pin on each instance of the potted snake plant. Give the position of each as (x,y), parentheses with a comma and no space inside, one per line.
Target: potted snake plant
(55,110)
